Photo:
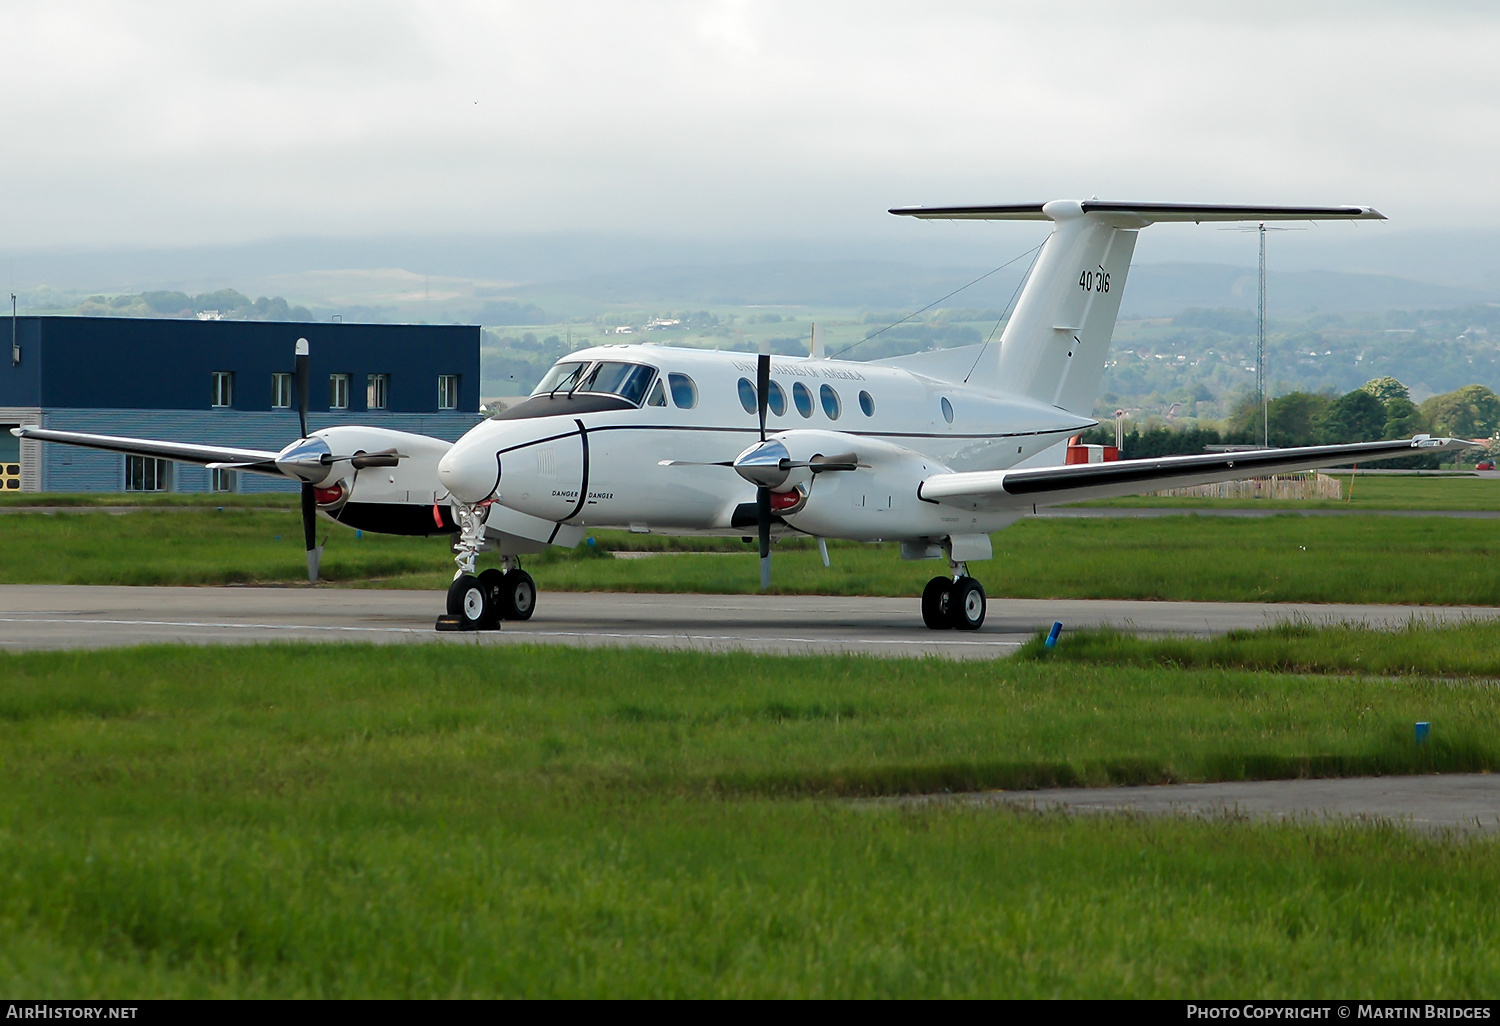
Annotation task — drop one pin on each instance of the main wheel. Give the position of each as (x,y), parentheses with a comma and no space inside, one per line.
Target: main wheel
(966,604)
(467,599)
(935,604)
(517,595)
(493,583)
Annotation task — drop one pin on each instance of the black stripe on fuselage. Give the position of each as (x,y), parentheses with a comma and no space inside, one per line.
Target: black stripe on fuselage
(583,486)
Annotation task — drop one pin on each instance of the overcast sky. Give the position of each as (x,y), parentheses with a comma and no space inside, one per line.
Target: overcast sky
(209,123)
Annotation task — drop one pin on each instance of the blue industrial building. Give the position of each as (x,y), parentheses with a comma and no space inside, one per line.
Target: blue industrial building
(217,382)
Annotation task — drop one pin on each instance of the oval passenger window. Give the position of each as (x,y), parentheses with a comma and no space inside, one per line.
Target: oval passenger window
(831,404)
(867,404)
(947,410)
(684,391)
(802,398)
(747,395)
(776,400)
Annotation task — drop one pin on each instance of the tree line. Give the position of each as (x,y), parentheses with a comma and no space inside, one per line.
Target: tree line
(1379,409)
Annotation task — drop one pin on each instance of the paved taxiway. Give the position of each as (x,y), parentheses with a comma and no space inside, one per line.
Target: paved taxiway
(1464,801)
(60,617)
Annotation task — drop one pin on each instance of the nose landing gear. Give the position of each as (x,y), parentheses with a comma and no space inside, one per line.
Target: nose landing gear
(954,603)
(479,602)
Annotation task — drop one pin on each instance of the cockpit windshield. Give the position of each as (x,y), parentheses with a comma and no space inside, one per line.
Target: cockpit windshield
(629,381)
(562,376)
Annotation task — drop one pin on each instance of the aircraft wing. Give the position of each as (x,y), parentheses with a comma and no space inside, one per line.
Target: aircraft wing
(245,459)
(1048,486)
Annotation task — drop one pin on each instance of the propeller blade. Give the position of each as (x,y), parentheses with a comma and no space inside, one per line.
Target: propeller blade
(302,382)
(310,531)
(693,463)
(763,528)
(762,388)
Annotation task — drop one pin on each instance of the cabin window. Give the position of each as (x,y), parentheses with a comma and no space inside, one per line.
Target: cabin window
(223,388)
(684,391)
(867,404)
(281,391)
(560,378)
(658,395)
(947,410)
(831,404)
(776,400)
(338,391)
(802,399)
(377,391)
(447,391)
(629,381)
(747,395)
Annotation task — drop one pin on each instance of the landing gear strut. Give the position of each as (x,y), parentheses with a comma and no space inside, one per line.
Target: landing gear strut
(956,602)
(478,602)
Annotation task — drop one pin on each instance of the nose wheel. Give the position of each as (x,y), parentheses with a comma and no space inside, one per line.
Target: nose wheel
(480,603)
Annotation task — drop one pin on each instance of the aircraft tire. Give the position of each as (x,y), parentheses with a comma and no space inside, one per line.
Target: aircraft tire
(967,604)
(517,595)
(493,583)
(935,599)
(468,601)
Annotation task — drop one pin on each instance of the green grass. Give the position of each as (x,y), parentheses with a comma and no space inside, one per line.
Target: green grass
(1419,560)
(148,499)
(447,820)
(1428,491)
(1459,650)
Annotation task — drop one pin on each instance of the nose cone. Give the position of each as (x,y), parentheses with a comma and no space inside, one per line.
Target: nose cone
(471,473)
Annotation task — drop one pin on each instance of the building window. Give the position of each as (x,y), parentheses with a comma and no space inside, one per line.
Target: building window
(281,391)
(145,474)
(223,388)
(377,391)
(223,480)
(447,391)
(338,391)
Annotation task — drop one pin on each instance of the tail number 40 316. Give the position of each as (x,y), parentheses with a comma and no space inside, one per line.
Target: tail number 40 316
(1091,280)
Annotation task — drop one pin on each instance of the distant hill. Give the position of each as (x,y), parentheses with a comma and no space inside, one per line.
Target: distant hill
(1164,290)
(1153,290)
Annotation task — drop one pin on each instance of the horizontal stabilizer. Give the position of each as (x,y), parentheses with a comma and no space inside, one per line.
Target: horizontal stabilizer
(1140,213)
(1047,486)
(246,459)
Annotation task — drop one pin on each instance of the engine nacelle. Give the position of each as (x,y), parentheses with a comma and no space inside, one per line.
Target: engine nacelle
(412,480)
(878,499)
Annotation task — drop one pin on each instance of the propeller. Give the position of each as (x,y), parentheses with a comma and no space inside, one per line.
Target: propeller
(767,464)
(762,492)
(309,493)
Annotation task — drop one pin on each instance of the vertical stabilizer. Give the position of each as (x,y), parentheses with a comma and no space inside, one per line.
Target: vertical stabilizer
(1054,347)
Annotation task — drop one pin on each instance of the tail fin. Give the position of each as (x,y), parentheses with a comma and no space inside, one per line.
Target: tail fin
(1054,347)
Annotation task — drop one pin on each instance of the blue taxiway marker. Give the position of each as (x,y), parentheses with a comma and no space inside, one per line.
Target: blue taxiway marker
(1052,635)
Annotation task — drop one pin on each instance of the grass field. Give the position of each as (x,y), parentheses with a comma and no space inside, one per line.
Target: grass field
(1369,491)
(1459,650)
(1423,560)
(441,820)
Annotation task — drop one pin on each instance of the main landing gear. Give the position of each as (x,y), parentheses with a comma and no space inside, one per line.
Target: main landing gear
(954,603)
(478,601)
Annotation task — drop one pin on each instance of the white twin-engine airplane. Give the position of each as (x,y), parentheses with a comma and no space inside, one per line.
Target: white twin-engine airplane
(915,449)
